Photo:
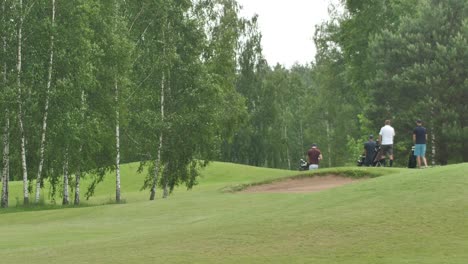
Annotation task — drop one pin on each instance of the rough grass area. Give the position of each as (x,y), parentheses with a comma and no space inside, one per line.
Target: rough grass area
(403,216)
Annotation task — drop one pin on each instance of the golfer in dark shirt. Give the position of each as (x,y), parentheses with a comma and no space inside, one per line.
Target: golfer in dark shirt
(369,151)
(419,139)
(315,156)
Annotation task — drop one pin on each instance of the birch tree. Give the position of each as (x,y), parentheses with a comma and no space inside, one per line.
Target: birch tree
(6,163)
(6,129)
(113,75)
(75,132)
(178,105)
(157,162)
(147,28)
(46,106)
(20,103)
(65,194)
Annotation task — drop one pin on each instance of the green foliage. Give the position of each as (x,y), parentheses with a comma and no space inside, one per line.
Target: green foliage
(399,60)
(192,73)
(419,74)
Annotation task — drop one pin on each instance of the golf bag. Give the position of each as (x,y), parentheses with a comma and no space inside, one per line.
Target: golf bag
(303,165)
(376,159)
(412,159)
(361,160)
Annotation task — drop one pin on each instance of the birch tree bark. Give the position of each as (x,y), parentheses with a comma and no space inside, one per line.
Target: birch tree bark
(6,161)
(80,151)
(77,187)
(157,162)
(66,199)
(166,181)
(46,107)
(6,129)
(20,108)
(117,143)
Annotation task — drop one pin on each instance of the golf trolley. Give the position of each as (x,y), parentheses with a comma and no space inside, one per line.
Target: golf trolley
(303,165)
(377,160)
(412,159)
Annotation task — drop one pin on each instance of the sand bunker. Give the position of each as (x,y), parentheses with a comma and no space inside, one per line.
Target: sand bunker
(303,185)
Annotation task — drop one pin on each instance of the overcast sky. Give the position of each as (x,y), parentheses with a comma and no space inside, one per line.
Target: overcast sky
(287,27)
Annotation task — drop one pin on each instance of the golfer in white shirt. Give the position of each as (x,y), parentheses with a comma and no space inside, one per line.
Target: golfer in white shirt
(386,135)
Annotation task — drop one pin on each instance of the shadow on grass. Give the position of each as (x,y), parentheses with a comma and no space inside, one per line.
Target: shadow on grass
(42,206)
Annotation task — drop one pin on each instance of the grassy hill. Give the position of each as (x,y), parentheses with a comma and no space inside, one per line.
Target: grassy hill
(405,216)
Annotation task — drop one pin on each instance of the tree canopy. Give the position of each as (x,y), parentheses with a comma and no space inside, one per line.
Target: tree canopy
(88,84)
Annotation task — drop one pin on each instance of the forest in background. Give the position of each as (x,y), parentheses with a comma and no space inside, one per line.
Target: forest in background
(90,84)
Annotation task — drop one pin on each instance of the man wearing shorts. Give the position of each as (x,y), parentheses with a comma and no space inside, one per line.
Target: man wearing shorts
(419,139)
(386,135)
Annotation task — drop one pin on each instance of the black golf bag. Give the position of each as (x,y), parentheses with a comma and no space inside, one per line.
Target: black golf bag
(303,165)
(361,160)
(378,161)
(412,159)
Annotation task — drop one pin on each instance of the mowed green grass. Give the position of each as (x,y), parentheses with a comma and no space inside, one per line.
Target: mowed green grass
(404,216)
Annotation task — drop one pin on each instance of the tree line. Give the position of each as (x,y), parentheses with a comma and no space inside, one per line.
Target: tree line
(90,84)
(376,60)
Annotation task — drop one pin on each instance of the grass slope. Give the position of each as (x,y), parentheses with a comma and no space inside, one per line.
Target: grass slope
(406,216)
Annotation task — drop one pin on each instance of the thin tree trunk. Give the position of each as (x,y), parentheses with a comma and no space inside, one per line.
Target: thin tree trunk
(80,151)
(66,199)
(6,129)
(302,138)
(328,143)
(433,141)
(155,177)
(6,161)
(157,163)
(287,146)
(166,181)
(117,143)
(20,108)
(77,187)
(46,108)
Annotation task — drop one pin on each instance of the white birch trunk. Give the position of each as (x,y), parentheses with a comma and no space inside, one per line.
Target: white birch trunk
(77,187)
(117,120)
(157,163)
(166,182)
(20,108)
(117,143)
(6,129)
(155,177)
(6,161)
(66,197)
(80,151)
(46,108)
